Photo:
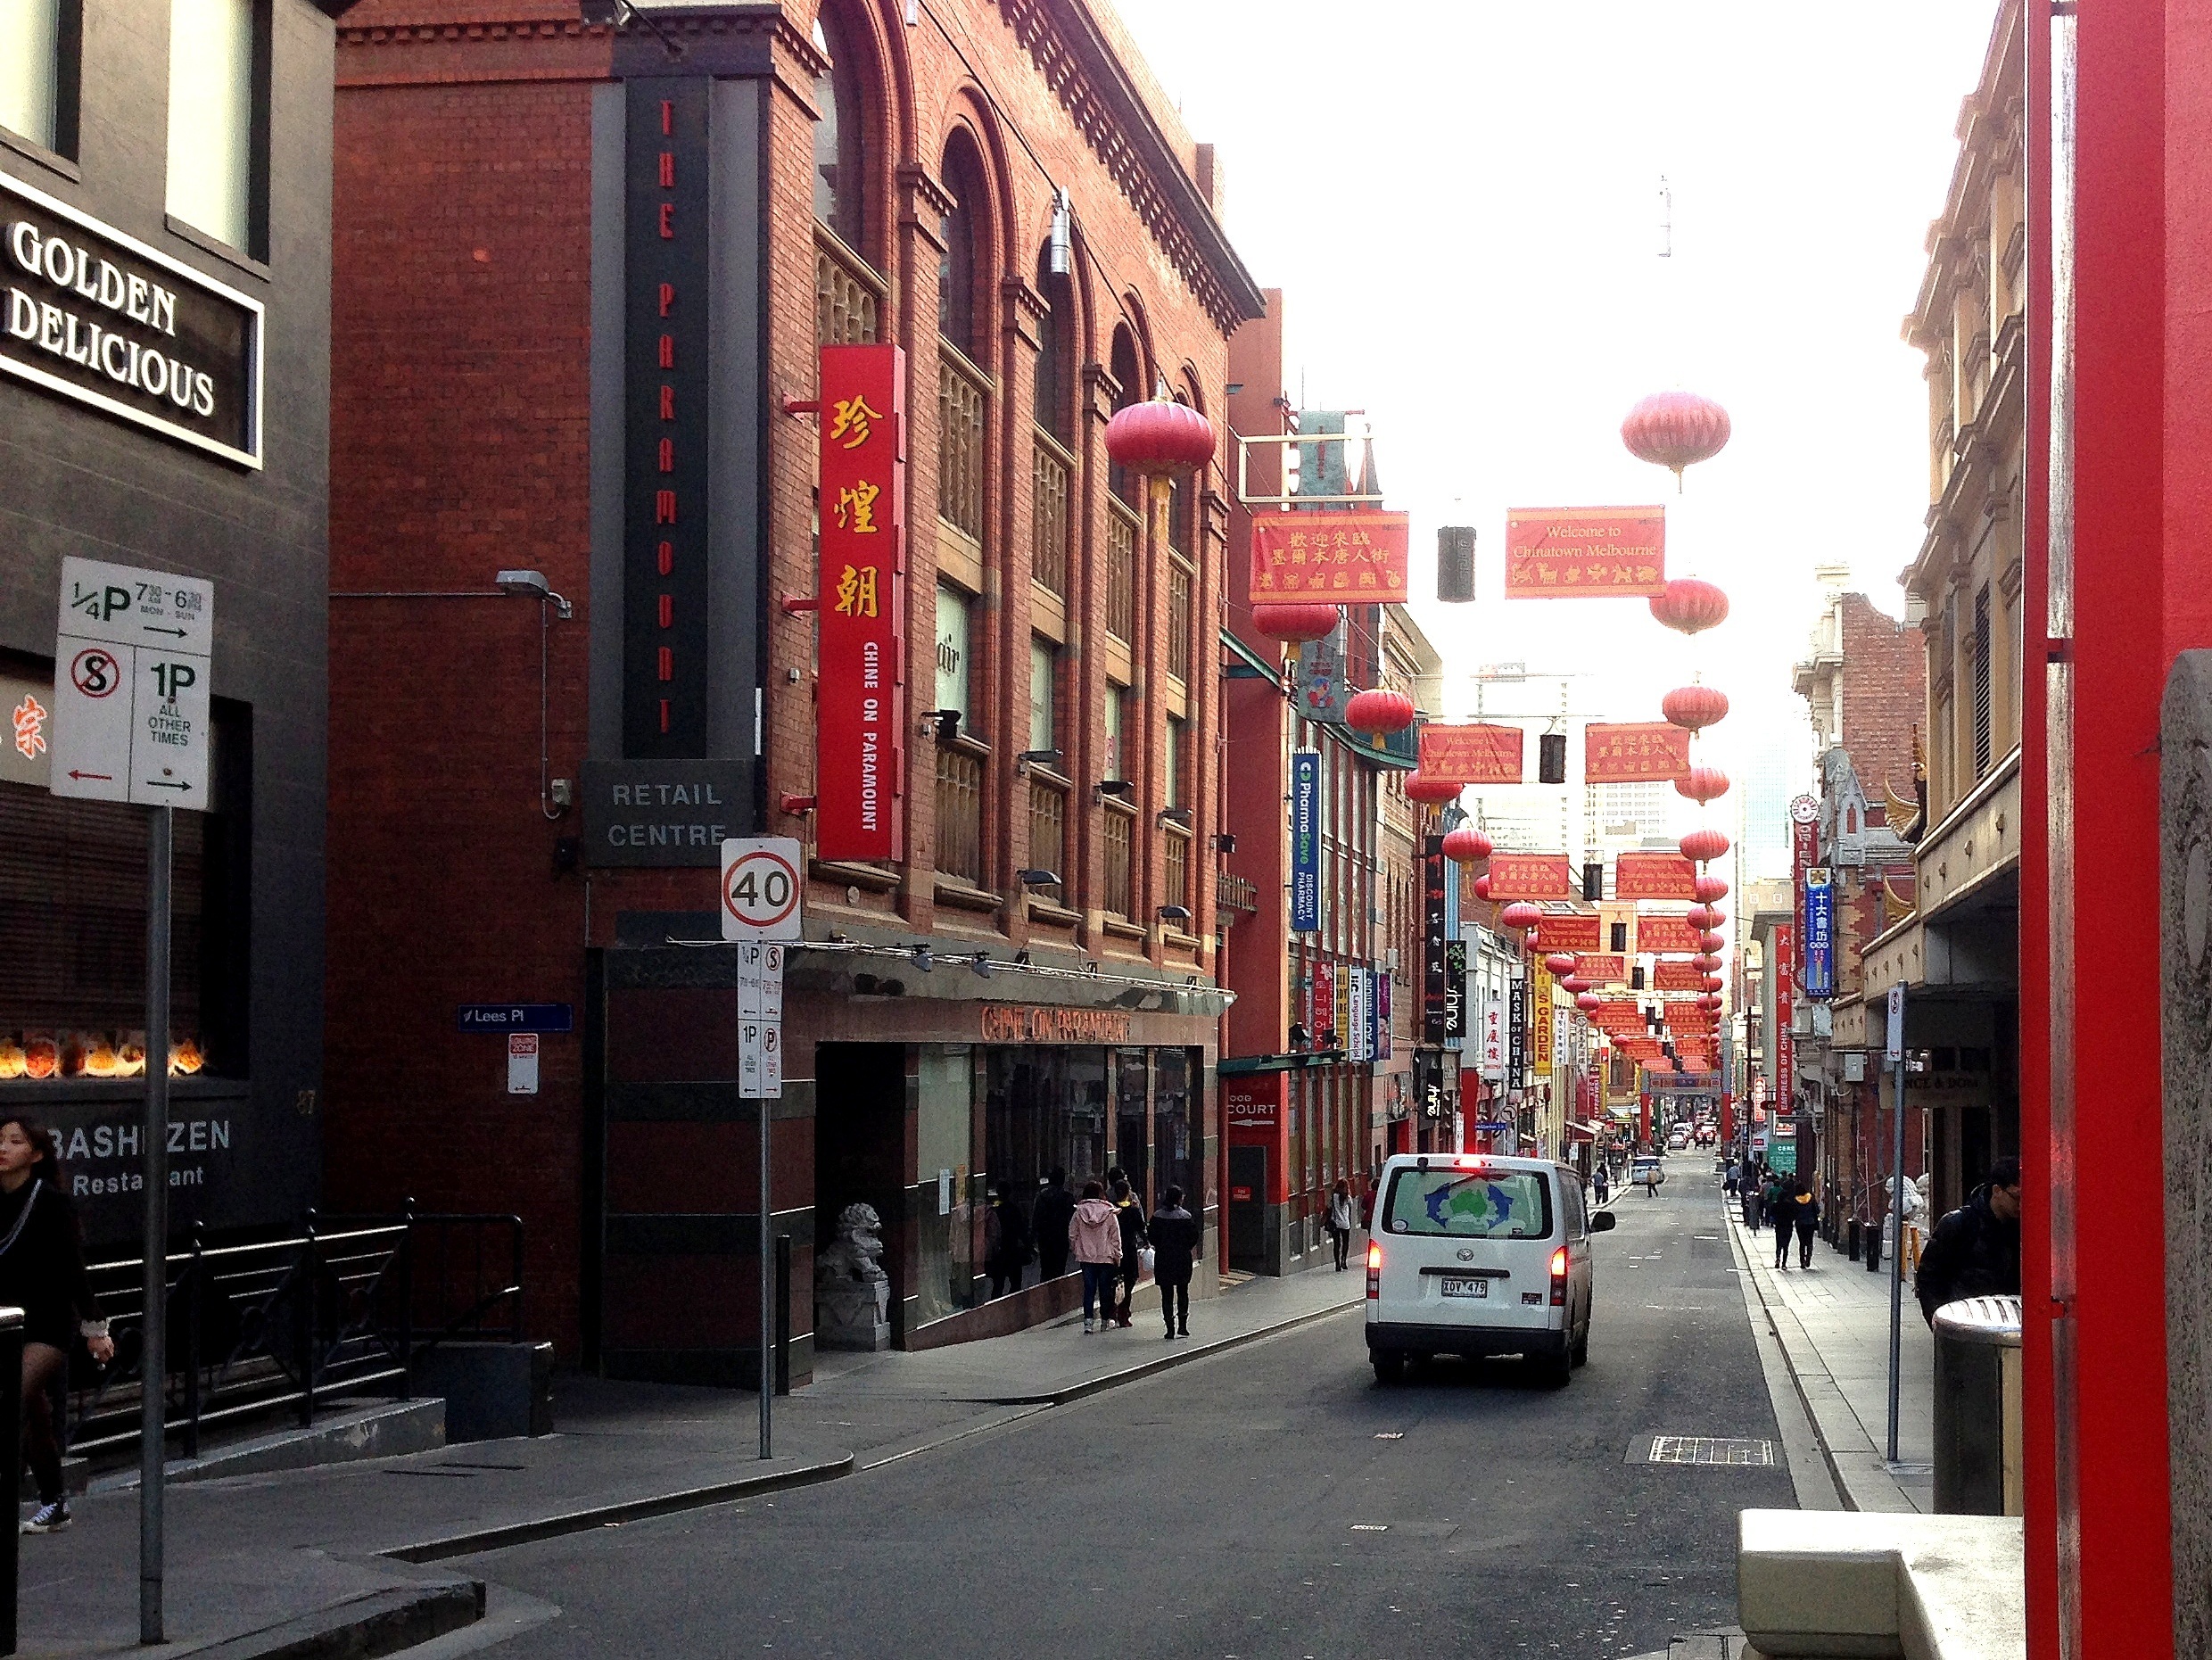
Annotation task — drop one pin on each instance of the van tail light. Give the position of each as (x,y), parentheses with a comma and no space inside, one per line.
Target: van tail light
(1375,1270)
(1559,1277)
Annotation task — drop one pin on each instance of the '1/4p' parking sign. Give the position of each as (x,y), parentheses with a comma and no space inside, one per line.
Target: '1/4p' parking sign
(132,652)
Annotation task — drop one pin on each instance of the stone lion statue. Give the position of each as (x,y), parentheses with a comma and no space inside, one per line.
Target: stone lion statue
(858,1250)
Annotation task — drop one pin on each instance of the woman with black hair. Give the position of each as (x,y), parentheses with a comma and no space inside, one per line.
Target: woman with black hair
(42,1272)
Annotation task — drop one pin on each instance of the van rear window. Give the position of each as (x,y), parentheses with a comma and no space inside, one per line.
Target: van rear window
(1469,1204)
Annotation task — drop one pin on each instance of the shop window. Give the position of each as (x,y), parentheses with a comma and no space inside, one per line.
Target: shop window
(953,607)
(218,120)
(38,71)
(1178,1130)
(1133,1140)
(1044,1106)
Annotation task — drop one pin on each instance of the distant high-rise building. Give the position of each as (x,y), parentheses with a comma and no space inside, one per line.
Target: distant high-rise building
(1778,764)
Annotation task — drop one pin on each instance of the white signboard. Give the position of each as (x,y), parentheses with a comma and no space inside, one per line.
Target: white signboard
(522,1063)
(760,1021)
(761,885)
(132,683)
(1896,1049)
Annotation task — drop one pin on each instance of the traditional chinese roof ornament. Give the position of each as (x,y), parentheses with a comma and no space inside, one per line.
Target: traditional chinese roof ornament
(1675,430)
(1703,784)
(1521,913)
(1696,707)
(1704,844)
(1160,438)
(1296,621)
(1379,712)
(1690,606)
(1467,845)
(1435,791)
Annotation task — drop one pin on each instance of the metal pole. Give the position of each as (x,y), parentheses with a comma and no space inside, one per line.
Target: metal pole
(153,1368)
(1897,1241)
(767,1292)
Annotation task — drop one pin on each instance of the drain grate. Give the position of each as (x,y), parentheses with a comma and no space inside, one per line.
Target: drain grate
(1733,1450)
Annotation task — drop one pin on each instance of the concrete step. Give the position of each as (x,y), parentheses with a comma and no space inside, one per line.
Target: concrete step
(346,1430)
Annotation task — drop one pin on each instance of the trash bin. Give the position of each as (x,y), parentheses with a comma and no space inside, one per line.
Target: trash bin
(1978,1407)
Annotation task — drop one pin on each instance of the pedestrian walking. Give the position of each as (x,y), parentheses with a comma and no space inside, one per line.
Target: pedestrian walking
(42,1272)
(1339,1221)
(1805,1216)
(1007,1248)
(1728,1185)
(1129,1215)
(1095,1237)
(1175,1248)
(1048,1225)
(1601,1180)
(1778,1196)
(1974,1251)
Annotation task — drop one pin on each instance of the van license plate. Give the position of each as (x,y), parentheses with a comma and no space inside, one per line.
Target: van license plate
(1467,1288)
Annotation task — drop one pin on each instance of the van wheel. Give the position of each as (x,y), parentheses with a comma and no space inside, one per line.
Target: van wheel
(1556,1371)
(1580,1354)
(1389,1368)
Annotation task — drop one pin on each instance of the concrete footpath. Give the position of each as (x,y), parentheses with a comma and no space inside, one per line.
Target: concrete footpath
(345,1560)
(1832,1324)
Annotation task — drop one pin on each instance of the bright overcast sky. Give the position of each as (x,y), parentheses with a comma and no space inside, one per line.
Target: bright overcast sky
(1460,202)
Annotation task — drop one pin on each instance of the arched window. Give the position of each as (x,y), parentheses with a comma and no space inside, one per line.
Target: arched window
(840,171)
(1056,344)
(1122,364)
(966,257)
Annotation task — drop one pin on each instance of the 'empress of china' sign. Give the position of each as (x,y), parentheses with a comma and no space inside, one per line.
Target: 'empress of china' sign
(97,316)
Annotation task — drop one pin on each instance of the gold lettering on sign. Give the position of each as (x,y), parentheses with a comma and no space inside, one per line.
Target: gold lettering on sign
(1002,1023)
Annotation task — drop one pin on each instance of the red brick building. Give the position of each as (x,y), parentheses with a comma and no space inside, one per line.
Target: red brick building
(572,259)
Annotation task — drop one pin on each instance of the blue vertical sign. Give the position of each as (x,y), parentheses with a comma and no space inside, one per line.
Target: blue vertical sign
(1305,841)
(1819,933)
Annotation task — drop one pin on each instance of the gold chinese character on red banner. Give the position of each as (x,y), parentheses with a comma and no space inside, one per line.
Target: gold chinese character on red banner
(857,509)
(851,422)
(857,591)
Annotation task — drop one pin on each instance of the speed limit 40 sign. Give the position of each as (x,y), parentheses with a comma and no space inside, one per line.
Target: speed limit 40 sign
(760,888)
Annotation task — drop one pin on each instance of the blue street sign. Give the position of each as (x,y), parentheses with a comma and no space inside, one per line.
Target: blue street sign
(516,1017)
(1491,1126)
(1819,934)
(1306,841)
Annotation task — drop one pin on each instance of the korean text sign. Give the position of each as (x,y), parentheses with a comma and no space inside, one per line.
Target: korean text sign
(1595,553)
(1643,751)
(1306,841)
(1312,554)
(860,701)
(1472,754)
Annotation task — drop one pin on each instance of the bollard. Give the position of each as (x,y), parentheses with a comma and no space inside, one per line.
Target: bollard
(1978,1407)
(11,1460)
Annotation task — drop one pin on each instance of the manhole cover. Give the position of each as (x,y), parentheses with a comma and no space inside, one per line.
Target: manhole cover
(1706,1449)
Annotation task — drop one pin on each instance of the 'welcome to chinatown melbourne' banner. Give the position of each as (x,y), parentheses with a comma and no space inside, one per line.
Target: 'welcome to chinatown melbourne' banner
(1585,553)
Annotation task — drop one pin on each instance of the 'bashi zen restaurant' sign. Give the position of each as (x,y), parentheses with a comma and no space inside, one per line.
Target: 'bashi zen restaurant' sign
(99,317)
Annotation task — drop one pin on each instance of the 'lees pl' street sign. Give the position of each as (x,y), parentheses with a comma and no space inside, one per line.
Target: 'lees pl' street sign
(131,686)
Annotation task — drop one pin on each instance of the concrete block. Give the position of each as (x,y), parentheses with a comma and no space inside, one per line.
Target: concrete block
(1870,1587)
(490,1390)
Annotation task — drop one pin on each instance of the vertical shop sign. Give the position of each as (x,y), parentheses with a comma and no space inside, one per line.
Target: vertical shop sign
(860,700)
(1785,1044)
(1542,1026)
(1434,939)
(1305,841)
(1493,1023)
(1382,1046)
(1455,993)
(1805,850)
(1820,979)
(1517,1031)
(1324,1004)
(1346,1025)
(1360,1023)
(667,341)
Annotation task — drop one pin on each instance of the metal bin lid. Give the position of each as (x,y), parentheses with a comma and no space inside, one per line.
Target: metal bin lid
(1991,1320)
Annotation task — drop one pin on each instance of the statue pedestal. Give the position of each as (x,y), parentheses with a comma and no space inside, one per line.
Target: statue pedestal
(853,1314)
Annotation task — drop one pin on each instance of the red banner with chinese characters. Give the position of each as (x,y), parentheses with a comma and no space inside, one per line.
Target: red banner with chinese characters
(1654,876)
(1657,935)
(1786,1046)
(1618,1013)
(1528,876)
(1599,971)
(1676,976)
(1590,553)
(860,699)
(1572,933)
(1316,553)
(1644,1050)
(1637,753)
(1472,754)
(1323,1001)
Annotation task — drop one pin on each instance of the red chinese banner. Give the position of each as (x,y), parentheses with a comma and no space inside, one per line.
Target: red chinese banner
(1654,876)
(1528,876)
(1618,1011)
(1657,935)
(1676,976)
(1316,553)
(1599,971)
(1572,933)
(860,699)
(1591,553)
(1642,752)
(1472,754)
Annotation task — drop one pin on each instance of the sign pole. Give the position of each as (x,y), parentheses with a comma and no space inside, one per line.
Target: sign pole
(767,1294)
(1897,1203)
(154,1369)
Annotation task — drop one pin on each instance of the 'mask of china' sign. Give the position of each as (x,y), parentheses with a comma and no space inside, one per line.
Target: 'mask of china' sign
(93,315)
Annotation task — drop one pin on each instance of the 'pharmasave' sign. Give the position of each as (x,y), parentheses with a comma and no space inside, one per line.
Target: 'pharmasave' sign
(89,313)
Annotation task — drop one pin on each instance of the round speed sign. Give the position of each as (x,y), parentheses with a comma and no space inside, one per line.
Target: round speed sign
(760,889)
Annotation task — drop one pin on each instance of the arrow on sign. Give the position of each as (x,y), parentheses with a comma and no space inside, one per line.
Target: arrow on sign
(105,778)
(151,629)
(163,783)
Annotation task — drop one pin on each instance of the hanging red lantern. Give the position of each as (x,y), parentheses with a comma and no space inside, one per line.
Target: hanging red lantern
(1561,963)
(1690,607)
(1675,430)
(1160,437)
(1379,711)
(1588,1000)
(1703,784)
(1483,886)
(1435,791)
(1467,845)
(1719,917)
(1694,706)
(1712,944)
(1577,984)
(1710,1002)
(1701,917)
(1713,983)
(1704,963)
(1296,621)
(1702,846)
(1712,888)
(1521,913)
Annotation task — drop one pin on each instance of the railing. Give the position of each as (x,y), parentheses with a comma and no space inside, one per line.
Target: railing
(1116,840)
(1048,830)
(846,296)
(342,1308)
(960,442)
(959,814)
(1175,872)
(1235,893)
(1050,469)
(1121,540)
(1179,619)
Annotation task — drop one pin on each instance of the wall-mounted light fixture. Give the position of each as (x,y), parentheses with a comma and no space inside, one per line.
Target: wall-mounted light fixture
(1175,816)
(1038,878)
(1120,788)
(1174,914)
(1027,758)
(943,723)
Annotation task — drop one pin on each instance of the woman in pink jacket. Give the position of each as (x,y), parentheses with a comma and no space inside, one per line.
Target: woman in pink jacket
(1094,1233)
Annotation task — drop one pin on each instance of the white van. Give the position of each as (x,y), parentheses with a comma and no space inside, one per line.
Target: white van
(1472,1254)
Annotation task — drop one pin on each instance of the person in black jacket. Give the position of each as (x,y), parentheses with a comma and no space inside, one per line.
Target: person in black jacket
(1006,1251)
(1174,1246)
(1805,1216)
(42,1272)
(1054,1209)
(1975,1251)
(1132,1218)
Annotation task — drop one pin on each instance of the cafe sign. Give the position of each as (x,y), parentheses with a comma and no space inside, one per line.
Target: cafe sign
(99,317)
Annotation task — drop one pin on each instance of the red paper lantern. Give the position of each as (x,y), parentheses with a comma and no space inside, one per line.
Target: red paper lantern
(1521,913)
(1467,845)
(1588,1000)
(1703,784)
(1561,963)
(1713,983)
(1379,710)
(1483,886)
(1710,1002)
(1704,963)
(1694,706)
(1690,607)
(1719,916)
(1712,888)
(1702,845)
(1702,917)
(1296,621)
(1675,430)
(1160,437)
(1435,791)
(1576,984)
(1712,944)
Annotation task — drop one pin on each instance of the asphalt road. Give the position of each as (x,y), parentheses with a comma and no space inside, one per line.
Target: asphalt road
(1272,1501)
